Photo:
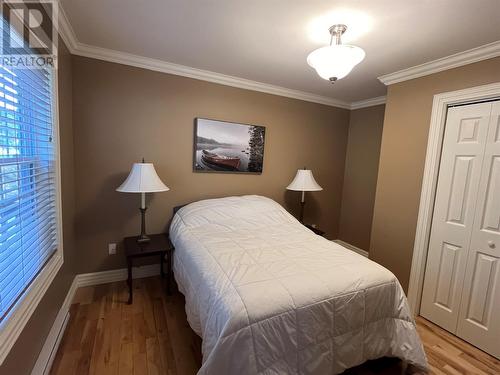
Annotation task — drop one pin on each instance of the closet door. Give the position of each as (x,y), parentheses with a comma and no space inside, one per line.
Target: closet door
(479,321)
(457,190)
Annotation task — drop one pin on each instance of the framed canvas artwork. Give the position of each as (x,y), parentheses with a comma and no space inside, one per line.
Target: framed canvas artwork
(221,146)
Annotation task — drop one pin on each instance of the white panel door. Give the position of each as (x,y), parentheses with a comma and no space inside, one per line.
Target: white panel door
(464,145)
(479,319)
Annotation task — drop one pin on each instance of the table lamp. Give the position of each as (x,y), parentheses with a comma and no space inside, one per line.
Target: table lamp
(304,181)
(142,179)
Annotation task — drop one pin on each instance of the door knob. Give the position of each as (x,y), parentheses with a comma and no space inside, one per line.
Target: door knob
(491,244)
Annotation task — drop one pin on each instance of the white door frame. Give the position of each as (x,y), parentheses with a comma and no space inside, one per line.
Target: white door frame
(438,119)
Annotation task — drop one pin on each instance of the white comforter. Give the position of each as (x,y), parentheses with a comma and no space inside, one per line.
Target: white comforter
(268,296)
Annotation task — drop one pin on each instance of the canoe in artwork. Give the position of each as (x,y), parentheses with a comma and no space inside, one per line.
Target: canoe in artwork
(220,160)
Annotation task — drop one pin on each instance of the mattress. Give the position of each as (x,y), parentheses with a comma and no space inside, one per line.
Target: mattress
(268,296)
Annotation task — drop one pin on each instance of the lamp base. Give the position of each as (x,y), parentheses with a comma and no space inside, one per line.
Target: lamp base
(143,239)
(301,216)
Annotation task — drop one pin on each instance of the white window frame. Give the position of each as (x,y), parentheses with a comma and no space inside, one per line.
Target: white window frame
(14,323)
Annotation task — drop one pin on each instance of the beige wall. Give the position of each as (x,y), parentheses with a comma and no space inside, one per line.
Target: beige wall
(404,143)
(25,351)
(122,114)
(360,176)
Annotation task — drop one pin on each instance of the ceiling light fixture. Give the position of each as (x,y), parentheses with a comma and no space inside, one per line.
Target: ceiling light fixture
(335,61)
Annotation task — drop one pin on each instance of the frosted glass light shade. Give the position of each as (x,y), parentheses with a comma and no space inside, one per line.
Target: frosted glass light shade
(142,179)
(335,61)
(304,181)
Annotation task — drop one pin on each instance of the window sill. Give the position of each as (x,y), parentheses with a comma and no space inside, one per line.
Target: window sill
(15,322)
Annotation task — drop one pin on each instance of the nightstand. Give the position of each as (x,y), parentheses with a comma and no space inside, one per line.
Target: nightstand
(317,231)
(159,245)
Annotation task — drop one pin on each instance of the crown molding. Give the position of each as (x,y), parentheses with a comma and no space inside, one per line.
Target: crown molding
(75,47)
(204,75)
(368,102)
(470,56)
(66,30)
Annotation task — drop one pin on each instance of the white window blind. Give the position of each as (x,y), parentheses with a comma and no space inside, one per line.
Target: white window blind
(28,222)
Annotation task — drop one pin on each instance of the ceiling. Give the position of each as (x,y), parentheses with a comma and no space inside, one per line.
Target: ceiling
(268,40)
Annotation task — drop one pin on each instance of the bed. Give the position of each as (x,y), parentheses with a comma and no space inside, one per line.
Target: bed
(268,296)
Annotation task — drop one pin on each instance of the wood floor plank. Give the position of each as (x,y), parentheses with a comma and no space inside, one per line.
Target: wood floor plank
(138,332)
(140,364)
(446,340)
(99,342)
(455,362)
(155,366)
(84,295)
(64,344)
(454,340)
(147,308)
(126,327)
(106,352)
(87,346)
(485,367)
(68,363)
(106,336)
(180,334)
(126,365)
(112,350)
(81,318)
(166,352)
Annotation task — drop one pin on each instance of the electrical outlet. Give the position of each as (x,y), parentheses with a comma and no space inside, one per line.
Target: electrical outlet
(112,248)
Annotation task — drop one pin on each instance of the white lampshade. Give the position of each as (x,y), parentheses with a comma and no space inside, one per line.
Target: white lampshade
(142,179)
(304,181)
(336,61)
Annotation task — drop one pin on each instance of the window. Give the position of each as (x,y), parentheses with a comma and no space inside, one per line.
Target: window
(28,194)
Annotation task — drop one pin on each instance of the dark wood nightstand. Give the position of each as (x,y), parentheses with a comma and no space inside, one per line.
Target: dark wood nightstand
(159,245)
(317,231)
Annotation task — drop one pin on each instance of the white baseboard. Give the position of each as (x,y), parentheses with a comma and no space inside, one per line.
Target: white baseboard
(49,349)
(104,277)
(352,247)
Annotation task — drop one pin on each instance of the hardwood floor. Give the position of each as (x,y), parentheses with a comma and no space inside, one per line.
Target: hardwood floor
(151,336)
